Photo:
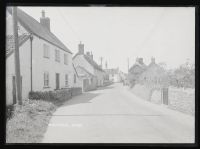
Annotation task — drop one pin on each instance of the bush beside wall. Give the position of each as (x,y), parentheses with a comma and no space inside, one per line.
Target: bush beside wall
(76,91)
(62,94)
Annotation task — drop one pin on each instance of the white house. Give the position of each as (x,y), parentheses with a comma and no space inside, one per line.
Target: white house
(113,74)
(45,62)
(87,62)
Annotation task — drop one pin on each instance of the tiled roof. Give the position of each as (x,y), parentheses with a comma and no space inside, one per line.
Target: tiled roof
(93,63)
(75,70)
(37,29)
(80,69)
(10,45)
(143,66)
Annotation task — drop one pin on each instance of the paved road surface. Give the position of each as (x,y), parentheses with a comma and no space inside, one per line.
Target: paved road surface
(115,115)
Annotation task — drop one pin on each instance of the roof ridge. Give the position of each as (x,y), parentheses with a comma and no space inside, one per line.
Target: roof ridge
(32,25)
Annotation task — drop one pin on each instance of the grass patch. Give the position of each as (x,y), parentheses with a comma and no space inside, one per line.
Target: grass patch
(30,120)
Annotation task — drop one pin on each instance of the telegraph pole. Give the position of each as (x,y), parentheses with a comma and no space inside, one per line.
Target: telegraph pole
(16,53)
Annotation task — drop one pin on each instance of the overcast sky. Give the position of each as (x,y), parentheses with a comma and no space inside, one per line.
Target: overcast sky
(119,33)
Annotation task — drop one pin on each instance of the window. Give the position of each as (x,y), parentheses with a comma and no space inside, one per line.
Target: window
(66,80)
(46,50)
(46,79)
(74,78)
(57,55)
(65,59)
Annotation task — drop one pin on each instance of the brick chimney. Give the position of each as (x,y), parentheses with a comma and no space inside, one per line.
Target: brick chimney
(91,55)
(45,21)
(88,54)
(140,60)
(153,60)
(81,48)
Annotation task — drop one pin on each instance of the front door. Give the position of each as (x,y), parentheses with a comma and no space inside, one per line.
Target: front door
(57,81)
(165,96)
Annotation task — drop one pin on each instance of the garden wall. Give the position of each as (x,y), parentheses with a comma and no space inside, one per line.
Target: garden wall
(180,99)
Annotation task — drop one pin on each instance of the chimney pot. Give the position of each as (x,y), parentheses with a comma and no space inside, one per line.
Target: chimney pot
(88,54)
(153,60)
(45,21)
(43,13)
(81,48)
(140,60)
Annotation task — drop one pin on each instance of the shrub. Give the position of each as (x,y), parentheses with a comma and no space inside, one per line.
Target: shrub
(62,94)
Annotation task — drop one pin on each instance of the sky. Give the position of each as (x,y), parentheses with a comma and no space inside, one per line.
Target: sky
(121,33)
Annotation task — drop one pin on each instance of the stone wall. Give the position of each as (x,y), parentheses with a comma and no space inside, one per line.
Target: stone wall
(182,100)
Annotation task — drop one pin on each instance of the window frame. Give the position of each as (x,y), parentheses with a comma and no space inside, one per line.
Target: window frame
(66,80)
(46,51)
(46,79)
(57,55)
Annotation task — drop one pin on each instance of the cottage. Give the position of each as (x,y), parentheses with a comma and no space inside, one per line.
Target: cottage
(88,79)
(86,63)
(154,75)
(45,62)
(136,70)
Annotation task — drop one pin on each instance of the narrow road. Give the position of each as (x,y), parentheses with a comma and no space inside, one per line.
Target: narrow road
(115,115)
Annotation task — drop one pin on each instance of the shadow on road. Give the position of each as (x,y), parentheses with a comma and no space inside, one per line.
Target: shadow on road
(83,98)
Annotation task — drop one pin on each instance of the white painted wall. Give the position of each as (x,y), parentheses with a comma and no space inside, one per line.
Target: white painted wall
(41,64)
(79,60)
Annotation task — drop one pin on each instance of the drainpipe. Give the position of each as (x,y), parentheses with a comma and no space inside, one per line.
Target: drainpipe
(31,40)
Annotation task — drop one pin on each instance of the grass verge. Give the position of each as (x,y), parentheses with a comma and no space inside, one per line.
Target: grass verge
(29,121)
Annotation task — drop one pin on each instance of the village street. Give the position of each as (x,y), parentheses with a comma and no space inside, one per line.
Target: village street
(114,115)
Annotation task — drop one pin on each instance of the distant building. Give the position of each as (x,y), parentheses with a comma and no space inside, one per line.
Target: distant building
(86,62)
(135,71)
(46,66)
(89,81)
(154,75)
(113,74)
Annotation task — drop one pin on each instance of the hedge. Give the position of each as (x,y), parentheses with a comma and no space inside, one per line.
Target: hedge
(62,94)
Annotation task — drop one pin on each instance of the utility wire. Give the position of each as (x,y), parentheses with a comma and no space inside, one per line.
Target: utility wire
(141,48)
(68,24)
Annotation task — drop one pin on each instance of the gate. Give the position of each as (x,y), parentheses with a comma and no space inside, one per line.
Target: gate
(165,96)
